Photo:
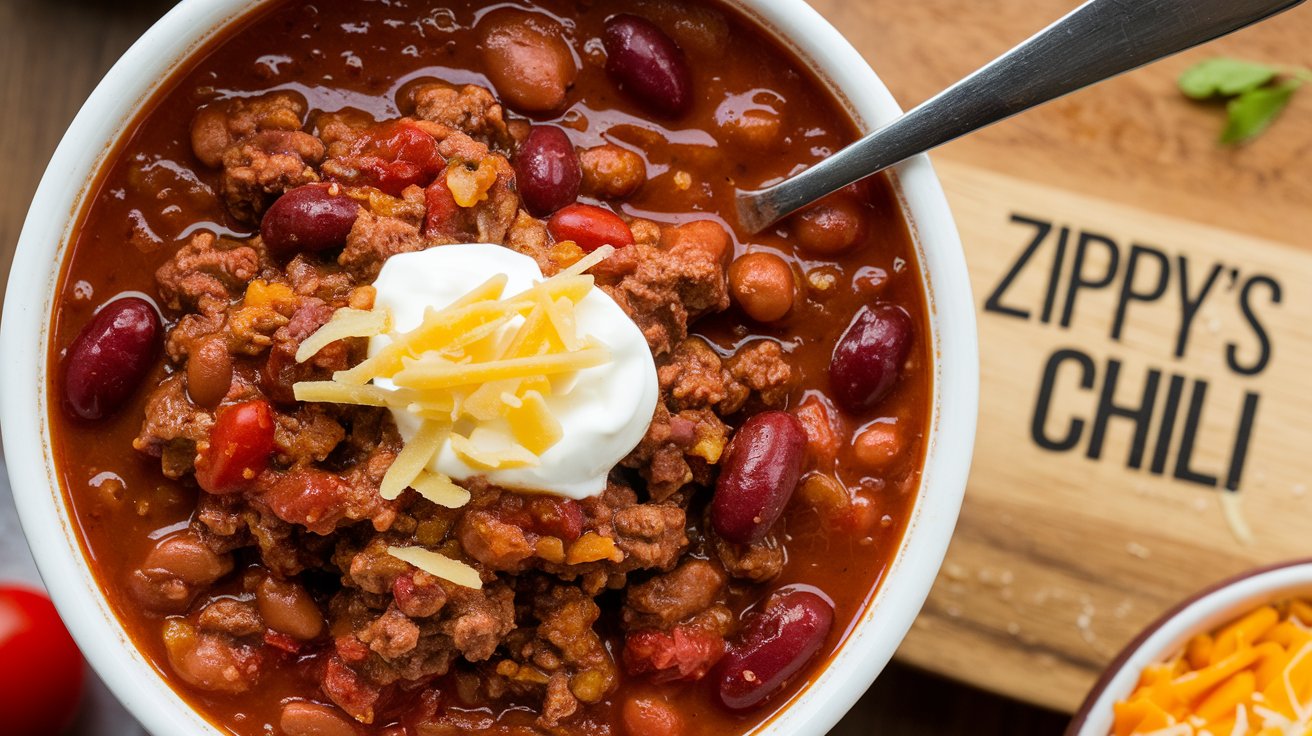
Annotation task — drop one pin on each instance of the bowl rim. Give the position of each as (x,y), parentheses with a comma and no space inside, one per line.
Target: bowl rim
(137,76)
(1203,611)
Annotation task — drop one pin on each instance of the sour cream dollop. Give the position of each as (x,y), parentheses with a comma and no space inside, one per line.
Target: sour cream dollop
(604,414)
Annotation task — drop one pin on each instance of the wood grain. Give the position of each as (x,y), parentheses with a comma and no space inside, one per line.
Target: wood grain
(1061,558)
(1132,140)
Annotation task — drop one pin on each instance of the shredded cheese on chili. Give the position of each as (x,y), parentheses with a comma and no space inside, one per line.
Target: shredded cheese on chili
(462,367)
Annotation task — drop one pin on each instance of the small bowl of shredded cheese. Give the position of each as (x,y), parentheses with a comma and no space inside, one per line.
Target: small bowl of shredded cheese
(1233,660)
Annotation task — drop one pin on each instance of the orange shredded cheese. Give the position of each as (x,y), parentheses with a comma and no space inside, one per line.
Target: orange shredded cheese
(1251,677)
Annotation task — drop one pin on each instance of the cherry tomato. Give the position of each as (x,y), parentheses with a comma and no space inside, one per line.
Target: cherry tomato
(590,227)
(241,442)
(41,671)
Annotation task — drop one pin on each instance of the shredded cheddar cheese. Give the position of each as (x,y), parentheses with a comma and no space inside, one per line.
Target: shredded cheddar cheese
(439,565)
(1253,676)
(483,358)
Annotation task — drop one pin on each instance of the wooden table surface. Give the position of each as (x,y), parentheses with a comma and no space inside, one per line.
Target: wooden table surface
(1131,140)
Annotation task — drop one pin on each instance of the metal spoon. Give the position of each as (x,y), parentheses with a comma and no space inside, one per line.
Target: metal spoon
(1097,41)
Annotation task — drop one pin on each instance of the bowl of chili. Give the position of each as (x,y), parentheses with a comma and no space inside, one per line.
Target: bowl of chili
(181,143)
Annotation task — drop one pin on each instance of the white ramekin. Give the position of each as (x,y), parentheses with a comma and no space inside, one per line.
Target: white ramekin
(1205,611)
(115,103)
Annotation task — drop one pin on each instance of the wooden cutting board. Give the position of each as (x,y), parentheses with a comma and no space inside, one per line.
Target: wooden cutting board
(1145,331)
(1143,430)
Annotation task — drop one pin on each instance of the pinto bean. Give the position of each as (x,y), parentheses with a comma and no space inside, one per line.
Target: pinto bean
(287,607)
(612,172)
(869,357)
(758,474)
(645,716)
(175,571)
(762,284)
(775,646)
(878,446)
(830,226)
(527,59)
(110,357)
(208,661)
(303,718)
(209,372)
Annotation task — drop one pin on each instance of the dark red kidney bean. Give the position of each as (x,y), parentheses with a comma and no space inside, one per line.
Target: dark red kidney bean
(869,356)
(758,474)
(775,646)
(647,64)
(241,442)
(110,356)
(547,170)
(590,227)
(310,218)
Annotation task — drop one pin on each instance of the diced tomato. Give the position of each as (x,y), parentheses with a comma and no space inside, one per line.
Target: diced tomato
(397,156)
(281,641)
(241,442)
(351,692)
(314,499)
(683,653)
(590,227)
(442,210)
(40,666)
(555,517)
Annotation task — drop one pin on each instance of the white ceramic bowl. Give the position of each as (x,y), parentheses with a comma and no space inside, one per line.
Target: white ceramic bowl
(1205,611)
(114,104)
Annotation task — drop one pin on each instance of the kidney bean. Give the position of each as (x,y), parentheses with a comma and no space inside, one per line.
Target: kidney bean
(301,718)
(241,442)
(287,607)
(758,474)
(775,646)
(762,284)
(645,62)
(547,170)
(590,227)
(527,59)
(309,218)
(209,372)
(869,356)
(830,226)
(109,357)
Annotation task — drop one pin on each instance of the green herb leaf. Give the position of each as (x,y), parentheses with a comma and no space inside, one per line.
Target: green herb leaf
(1225,77)
(1252,112)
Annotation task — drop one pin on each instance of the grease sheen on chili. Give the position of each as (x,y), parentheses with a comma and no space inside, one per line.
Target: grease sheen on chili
(269,603)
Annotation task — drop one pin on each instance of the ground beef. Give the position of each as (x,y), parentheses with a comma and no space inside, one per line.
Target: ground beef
(207,273)
(373,240)
(470,109)
(173,427)
(761,367)
(256,170)
(759,562)
(663,286)
(668,599)
(230,616)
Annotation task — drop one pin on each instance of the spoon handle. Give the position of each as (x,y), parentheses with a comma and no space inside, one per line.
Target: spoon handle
(1098,40)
